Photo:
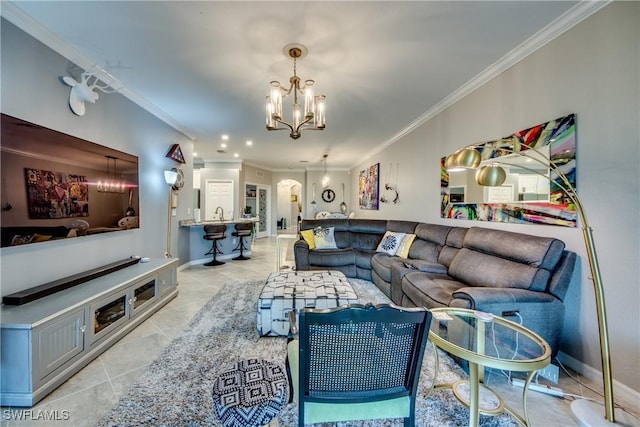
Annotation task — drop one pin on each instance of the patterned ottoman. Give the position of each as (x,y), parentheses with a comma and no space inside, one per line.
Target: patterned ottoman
(284,292)
(250,394)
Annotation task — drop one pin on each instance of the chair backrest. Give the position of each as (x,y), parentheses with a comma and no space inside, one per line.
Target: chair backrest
(357,353)
(215,229)
(244,226)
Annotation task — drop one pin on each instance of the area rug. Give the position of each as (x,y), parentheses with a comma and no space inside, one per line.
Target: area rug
(176,389)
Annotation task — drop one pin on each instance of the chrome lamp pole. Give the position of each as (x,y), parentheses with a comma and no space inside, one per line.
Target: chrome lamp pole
(170,177)
(494,175)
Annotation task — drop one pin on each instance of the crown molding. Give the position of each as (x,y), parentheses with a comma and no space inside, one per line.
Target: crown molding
(29,25)
(563,23)
(284,170)
(296,170)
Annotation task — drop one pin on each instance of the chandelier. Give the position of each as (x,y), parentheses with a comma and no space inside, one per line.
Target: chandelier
(325,177)
(112,182)
(313,115)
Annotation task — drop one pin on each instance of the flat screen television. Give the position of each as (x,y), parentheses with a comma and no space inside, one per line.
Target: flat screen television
(56,186)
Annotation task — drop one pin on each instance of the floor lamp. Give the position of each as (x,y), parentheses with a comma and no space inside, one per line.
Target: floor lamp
(588,413)
(170,177)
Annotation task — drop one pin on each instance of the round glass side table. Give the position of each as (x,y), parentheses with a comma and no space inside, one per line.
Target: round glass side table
(486,340)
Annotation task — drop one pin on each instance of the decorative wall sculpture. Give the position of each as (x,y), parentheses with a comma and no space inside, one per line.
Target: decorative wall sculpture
(369,188)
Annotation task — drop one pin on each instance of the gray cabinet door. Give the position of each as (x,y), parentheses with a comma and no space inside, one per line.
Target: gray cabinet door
(166,280)
(59,341)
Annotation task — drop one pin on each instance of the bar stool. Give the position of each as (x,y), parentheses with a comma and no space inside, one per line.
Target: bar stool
(214,233)
(243,229)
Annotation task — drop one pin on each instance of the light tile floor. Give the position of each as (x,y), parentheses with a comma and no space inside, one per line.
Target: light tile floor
(87,396)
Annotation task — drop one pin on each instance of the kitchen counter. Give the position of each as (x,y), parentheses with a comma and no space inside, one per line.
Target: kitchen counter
(192,246)
(192,223)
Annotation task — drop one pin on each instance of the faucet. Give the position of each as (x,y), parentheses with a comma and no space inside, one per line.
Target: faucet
(219,208)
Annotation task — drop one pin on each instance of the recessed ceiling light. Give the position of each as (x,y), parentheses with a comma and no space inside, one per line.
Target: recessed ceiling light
(236,155)
(195,154)
(223,145)
(249,143)
(225,137)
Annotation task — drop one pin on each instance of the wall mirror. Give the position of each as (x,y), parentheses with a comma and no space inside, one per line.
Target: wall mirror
(530,193)
(56,186)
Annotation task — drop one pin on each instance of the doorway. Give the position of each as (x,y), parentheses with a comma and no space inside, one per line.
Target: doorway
(218,194)
(258,196)
(289,206)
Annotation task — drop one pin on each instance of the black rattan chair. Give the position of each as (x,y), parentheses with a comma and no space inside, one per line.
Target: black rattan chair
(357,362)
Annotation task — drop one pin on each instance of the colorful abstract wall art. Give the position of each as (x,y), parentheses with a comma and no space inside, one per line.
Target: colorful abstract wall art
(546,204)
(369,188)
(56,194)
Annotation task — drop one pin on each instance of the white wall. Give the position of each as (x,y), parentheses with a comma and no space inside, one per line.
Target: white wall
(32,91)
(336,179)
(591,70)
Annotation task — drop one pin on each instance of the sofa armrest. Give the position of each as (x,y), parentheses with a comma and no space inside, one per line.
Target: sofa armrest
(301,255)
(427,266)
(541,312)
(480,296)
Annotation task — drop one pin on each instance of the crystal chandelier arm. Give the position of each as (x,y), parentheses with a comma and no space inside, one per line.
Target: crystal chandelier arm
(304,122)
(288,126)
(293,84)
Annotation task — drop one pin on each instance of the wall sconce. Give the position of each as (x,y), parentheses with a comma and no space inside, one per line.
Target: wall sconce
(171,178)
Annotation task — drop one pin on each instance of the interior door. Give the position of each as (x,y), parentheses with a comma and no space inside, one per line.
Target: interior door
(263,205)
(218,194)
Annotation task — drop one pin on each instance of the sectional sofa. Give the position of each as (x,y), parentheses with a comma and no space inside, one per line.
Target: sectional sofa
(518,276)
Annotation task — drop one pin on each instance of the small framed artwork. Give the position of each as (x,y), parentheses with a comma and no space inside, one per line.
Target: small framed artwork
(175,153)
(369,188)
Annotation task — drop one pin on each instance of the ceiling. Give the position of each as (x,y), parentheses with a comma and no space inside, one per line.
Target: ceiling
(385,67)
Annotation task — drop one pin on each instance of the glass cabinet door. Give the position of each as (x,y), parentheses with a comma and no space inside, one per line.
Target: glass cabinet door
(109,313)
(143,294)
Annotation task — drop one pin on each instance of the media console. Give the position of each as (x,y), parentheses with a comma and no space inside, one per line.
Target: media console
(46,341)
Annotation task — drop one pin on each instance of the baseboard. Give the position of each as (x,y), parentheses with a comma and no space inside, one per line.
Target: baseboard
(621,392)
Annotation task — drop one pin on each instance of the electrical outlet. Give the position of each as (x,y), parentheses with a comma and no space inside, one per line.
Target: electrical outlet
(234,241)
(551,373)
